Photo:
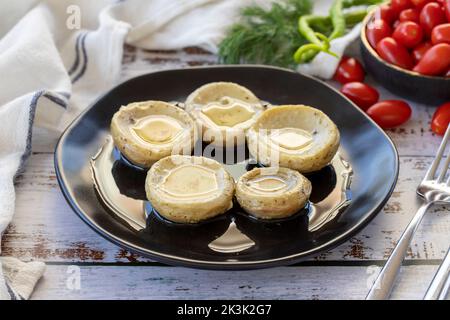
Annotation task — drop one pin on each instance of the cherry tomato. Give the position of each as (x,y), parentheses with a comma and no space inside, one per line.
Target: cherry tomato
(377,30)
(431,16)
(390,113)
(441,119)
(361,94)
(393,52)
(436,60)
(349,70)
(441,34)
(420,51)
(400,5)
(446,6)
(411,14)
(385,13)
(447,74)
(420,3)
(408,33)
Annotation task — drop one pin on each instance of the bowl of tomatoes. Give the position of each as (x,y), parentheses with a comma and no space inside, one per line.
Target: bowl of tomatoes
(405,45)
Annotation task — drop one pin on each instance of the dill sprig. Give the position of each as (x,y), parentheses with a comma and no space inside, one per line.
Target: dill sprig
(266,36)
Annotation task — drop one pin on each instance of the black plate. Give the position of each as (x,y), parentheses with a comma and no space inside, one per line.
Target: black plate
(368,149)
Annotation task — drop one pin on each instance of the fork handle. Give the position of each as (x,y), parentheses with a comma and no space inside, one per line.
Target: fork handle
(382,286)
(439,287)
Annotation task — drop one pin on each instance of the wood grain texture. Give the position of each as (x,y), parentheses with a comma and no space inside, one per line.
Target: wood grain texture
(182,283)
(56,234)
(412,139)
(45,228)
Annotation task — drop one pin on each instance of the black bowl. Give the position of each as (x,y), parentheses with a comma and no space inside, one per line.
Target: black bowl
(405,83)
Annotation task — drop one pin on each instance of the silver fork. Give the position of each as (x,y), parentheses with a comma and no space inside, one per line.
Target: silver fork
(434,188)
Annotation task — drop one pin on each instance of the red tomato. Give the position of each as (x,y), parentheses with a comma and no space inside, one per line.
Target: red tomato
(436,60)
(408,33)
(400,5)
(411,14)
(377,30)
(447,74)
(441,119)
(349,70)
(420,3)
(446,6)
(385,13)
(420,51)
(393,52)
(441,34)
(361,94)
(431,16)
(390,113)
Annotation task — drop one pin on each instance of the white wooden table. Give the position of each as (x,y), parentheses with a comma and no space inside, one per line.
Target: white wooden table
(45,228)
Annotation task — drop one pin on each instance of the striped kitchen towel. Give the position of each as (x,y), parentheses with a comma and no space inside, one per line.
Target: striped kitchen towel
(57,56)
(17,278)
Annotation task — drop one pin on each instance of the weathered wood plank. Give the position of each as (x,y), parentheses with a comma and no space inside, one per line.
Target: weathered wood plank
(44,140)
(137,62)
(412,139)
(183,283)
(44,227)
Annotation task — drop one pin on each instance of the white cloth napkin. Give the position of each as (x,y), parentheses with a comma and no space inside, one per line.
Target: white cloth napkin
(51,68)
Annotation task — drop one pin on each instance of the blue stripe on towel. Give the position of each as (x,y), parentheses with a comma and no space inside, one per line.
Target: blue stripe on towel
(11,292)
(85,59)
(77,55)
(27,151)
(64,94)
(33,104)
(56,99)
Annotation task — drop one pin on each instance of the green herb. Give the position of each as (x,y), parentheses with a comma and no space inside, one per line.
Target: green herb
(266,36)
(287,33)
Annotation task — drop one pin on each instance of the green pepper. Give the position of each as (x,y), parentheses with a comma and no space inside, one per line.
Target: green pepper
(354,17)
(323,24)
(305,29)
(337,19)
(339,22)
(352,3)
(308,51)
(319,42)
